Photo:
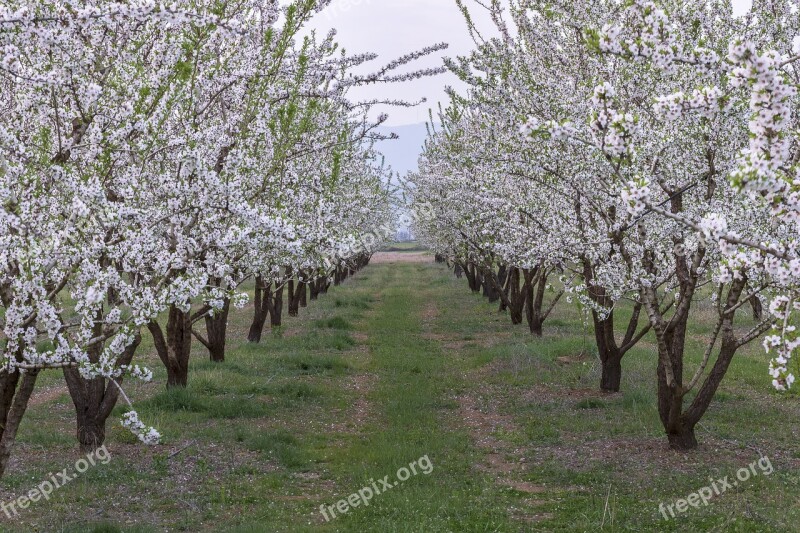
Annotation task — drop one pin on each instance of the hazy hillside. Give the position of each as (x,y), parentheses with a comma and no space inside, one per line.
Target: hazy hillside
(401,154)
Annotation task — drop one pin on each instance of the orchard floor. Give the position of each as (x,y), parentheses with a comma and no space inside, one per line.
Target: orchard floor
(399,363)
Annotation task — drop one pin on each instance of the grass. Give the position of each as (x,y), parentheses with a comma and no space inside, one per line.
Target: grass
(404,247)
(399,363)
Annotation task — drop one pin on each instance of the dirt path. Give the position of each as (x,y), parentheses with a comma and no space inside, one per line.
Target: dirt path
(382,258)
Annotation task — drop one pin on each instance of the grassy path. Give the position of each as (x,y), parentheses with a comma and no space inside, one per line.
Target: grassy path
(413,403)
(401,363)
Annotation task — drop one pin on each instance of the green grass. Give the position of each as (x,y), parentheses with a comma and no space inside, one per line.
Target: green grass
(336,322)
(404,247)
(398,363)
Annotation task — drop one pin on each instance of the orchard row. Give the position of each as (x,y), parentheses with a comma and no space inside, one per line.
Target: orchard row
(152,160)
(636,156)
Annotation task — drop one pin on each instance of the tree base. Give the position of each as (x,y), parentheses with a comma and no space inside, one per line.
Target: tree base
(611,376)
(683,440)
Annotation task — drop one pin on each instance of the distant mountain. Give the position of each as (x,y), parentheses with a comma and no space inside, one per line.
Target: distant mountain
(402,154)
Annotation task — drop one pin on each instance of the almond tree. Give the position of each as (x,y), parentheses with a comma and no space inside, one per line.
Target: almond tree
(63,70)
(683,163)
(751,77)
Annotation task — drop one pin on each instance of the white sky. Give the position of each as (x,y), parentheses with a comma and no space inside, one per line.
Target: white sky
(392,28)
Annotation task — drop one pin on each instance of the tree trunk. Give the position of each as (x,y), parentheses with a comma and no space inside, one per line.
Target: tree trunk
(502,273)
(758,309)
(678,423)
(303,288)
(611,373)
(682,438)
(535,300)
(670,395)
(294,300)
(260,312)
(489,289)
(174,351)
(472,277)
(13,404)
(94,399)
(516,296)
(609,352)
(671,334)
(505,285)
(727,350)
(535,324)
(296,292)
(275,301)
(91,432)
(217,331)
(324,284)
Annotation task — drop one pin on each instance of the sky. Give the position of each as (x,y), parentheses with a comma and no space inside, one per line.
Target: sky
(392,28)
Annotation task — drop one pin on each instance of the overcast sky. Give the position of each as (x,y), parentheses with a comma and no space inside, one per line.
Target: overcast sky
(392,28)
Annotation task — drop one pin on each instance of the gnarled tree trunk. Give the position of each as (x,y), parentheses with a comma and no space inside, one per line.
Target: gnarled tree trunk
(174,349)
(94,399)
(517,295)
(15,393)
(260,311)
(217,332)
(296,294)
(275,303)
(609,351)
(670,332)
(303,290)
(324,283)
(473,279)
(680,423)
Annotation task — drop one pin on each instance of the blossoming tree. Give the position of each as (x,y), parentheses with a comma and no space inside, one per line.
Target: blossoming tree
(148,155)
(635,171)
